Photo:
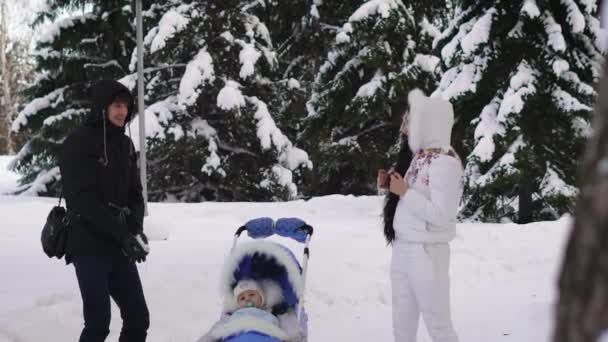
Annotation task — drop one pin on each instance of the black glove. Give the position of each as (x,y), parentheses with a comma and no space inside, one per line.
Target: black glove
(136,247)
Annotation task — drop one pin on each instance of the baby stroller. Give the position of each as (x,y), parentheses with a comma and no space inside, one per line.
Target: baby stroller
(282,278)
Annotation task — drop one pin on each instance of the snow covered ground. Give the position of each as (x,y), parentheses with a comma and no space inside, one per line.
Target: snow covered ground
(503,275)
(8,180)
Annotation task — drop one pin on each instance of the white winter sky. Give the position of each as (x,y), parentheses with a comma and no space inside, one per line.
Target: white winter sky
(20,16)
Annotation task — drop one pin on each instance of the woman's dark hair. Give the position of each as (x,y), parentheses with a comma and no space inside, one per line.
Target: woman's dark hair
(404,158)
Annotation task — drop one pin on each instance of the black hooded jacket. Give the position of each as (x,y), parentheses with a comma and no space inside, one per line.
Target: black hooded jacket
(93,185)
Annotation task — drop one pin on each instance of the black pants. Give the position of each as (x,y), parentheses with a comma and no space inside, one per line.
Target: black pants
(100,278)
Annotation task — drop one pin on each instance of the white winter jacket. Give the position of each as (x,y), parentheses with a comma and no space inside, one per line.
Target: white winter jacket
(427,211)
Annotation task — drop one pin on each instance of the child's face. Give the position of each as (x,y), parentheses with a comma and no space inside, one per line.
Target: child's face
(250,296)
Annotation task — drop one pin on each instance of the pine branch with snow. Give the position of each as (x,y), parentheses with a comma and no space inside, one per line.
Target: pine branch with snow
(382,51)
(218,109)
(520,75)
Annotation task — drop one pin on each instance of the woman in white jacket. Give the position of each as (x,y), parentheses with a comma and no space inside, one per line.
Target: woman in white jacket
(425,222)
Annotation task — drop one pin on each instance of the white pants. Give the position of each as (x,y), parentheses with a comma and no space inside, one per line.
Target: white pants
(421,284)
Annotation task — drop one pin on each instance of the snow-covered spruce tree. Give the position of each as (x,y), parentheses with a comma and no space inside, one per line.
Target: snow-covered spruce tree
(80,42)
(211,80)
(521,76)
(382,52)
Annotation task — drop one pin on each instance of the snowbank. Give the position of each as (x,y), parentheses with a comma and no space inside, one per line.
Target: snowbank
(503,276)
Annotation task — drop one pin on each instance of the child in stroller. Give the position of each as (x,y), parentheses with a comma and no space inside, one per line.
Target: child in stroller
(263,286)
(250,300)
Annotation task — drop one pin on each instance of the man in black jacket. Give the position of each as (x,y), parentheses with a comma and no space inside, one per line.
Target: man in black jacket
(104,198)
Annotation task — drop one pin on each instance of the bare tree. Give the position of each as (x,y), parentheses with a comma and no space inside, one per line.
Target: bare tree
(6,145)
(582,310)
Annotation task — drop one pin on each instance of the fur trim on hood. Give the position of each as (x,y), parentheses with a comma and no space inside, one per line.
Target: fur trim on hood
(272,291)
(431,121)
(102,93)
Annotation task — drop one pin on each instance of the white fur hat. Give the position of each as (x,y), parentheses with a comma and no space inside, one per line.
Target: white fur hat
(248,285)
(431,121)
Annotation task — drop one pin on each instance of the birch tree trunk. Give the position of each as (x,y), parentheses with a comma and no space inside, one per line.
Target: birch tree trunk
(6,112)
(582,310)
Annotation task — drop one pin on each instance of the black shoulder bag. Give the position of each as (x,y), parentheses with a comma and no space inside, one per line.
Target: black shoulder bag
(55,232)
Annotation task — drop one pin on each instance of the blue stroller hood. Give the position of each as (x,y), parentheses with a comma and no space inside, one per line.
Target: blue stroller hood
(270,263)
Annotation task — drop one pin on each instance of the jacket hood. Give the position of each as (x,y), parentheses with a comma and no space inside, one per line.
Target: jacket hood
(431,121)
(102,93)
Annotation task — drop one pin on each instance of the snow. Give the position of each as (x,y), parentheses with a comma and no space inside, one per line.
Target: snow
(479,34)
(38,186)
(517,30)
(8,178)
(505,272)
(129,81)
(582,127)
(370,88)
(521,85)
(486,129)
(293,158)
(552,184)
(590,5)
(342,38)
(575,18)
(560,66)
(530,9)
(568,103)
(314,12)
(170,24)
(293,84)
(230,97)
(227,36)
(429,29)
(262,30)
(427,63)
(554,31)
(449,50)
(374,7)
(46,53)
(52,30)
(68,114)
(582,87)
(284,177)
(147,41)
(461,79)
(267,130)
(198,71)
(270,135)
(202,128)
(504,165)
(50,100)
(248,56)
(158,115)
(453,25)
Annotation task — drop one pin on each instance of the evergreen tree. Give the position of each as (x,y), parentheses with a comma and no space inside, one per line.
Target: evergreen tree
(81,41)
(212,82)
(521,76)
(379,54)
